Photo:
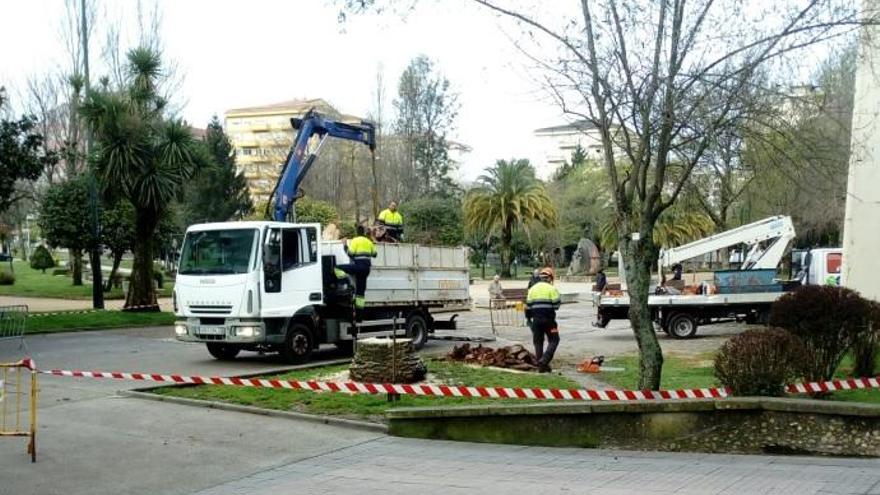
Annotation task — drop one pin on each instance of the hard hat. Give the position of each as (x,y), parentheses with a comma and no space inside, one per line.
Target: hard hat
(547,272)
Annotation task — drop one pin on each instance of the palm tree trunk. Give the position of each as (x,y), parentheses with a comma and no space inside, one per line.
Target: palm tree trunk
(506,239)
(76,266)
(141,295)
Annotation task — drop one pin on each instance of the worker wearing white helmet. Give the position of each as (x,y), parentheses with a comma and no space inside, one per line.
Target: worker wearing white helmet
(541,305)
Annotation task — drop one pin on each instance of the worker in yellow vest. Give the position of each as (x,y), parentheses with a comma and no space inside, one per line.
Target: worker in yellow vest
(392,220)
(361,250)
(542,302)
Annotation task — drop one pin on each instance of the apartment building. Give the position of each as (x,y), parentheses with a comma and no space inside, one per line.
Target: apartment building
(262,137)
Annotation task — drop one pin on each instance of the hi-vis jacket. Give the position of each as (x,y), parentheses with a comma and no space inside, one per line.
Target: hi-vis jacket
(390,218)
(542,301)
(361,248)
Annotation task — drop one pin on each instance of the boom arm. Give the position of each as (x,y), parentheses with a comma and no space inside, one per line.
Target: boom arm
(778,228)
(295,168)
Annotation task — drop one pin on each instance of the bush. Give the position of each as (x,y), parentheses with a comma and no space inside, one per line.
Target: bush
(760,362)
(310,210)
(159,278)
(42,259)
(433,221)
(865,349)
(61,271)
(7,278)
(829,321)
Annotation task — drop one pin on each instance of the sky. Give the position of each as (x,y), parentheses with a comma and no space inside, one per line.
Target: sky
(235,54)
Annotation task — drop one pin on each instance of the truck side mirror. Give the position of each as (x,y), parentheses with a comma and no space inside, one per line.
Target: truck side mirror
(272,261)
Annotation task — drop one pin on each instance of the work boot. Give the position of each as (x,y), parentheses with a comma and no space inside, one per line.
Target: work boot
(544,368)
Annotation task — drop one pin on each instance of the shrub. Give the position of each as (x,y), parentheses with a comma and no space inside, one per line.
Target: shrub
(760,362)
(829,321)
(865,349)
(42,259)
(61,271)
(310,210)
(159,278)
(433,221)
(7,278)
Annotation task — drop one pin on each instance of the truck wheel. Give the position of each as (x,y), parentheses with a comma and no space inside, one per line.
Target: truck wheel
(417,329)
(223,352)
(682,326)
(297,348)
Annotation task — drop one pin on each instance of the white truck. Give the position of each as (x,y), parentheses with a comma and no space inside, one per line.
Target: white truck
(273,286)
(743,295)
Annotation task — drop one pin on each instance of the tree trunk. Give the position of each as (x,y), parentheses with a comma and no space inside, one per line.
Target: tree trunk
(638,257)
(76,266)
(374,187)
(117,260)
(141,295)
(506,239)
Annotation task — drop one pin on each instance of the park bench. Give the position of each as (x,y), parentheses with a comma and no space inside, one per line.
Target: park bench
(514,294)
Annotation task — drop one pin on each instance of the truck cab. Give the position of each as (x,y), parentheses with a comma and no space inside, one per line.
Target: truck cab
(273,286)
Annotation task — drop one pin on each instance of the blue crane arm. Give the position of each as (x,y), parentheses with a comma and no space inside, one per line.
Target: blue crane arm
(298,164)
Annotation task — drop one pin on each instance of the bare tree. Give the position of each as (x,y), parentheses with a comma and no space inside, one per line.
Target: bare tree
(660,80)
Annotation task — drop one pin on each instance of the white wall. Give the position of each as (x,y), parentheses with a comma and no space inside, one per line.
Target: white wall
(861,233)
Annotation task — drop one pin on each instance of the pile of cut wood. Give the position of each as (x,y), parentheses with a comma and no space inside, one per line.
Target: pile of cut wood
(514,357)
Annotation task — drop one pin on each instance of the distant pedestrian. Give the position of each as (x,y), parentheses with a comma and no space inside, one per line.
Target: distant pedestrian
(541,304)
(534,278)
(496,293)
(601,282)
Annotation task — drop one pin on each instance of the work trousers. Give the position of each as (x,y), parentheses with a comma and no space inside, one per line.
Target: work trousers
(360,270)
(545,327)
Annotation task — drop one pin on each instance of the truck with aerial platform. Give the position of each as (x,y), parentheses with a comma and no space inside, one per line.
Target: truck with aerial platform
(745,294)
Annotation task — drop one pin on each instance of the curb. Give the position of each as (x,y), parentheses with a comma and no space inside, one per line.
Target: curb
(347,423)
(146,394)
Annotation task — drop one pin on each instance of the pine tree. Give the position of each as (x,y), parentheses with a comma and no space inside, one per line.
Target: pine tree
(218,192)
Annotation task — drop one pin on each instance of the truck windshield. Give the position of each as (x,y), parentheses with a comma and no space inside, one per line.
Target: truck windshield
(217,252)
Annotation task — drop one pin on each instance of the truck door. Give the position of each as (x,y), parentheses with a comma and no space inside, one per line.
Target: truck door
(291,275)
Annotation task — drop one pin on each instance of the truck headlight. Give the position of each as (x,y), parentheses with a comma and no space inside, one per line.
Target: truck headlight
(247,331)
(180,329)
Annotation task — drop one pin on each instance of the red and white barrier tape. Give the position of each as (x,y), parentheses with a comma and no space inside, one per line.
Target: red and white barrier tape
(461,391)
(834,385)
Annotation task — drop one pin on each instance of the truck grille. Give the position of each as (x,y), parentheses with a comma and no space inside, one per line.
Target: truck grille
(213,309)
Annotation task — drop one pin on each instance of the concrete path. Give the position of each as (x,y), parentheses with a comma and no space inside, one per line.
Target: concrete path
(402,466)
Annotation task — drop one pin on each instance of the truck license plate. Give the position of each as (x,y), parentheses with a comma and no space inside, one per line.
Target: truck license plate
(212,330)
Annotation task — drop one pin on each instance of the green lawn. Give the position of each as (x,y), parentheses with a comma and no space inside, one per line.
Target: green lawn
(72,322)
(696,372)
(35,283)
(361,405)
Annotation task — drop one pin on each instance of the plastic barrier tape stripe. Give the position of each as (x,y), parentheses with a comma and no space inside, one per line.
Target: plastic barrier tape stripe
(461,391)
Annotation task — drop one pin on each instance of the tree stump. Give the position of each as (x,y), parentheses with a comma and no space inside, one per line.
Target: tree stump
(373,362)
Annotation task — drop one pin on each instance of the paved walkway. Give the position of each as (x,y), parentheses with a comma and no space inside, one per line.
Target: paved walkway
(402,466)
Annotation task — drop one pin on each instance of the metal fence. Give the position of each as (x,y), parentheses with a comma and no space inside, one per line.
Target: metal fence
(506,313)
(18,403)
(13,323)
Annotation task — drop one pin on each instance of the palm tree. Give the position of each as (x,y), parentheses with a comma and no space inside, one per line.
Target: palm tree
(508,196)
(141,156)
(676,226)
